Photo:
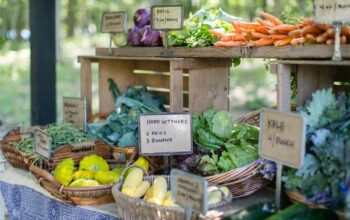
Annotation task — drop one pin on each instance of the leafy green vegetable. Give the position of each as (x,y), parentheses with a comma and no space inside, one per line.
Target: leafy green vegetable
(291,17)
(324,177)
(121,127)
(195,31)
(222,124)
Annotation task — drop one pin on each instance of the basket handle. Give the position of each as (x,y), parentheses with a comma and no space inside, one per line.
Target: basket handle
(43,174)
(87,145)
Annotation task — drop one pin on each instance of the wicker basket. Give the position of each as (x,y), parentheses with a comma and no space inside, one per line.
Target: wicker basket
(14,156)
(135,208)
(245,180)
(76,195)
(296,197)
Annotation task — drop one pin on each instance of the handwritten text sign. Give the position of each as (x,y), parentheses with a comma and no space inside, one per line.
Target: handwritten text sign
(113,22)
(332,11)
(189,191)
(282,137)
(167,17)
(165,134)
(42,143)
(74,111)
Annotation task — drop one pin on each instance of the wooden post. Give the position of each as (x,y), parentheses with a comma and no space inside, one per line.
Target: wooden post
(283,87)
(86,83)
(42,61)
(176,87)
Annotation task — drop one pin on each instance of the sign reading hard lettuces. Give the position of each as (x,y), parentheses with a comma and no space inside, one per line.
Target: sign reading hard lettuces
(282,137)
(165,134)
(42,144)
(167,17)
(74,111)
(113,22)
(189,191)
(332,11)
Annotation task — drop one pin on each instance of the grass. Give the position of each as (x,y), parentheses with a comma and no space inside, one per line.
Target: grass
(251,86)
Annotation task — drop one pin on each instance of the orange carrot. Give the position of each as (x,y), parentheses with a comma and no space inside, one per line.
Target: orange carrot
(279,36)
(271,18)
(295,33)
(330,41)
(343,40)
(236,27)
(310,38)
(262,29)
(297,41)
(216,33)
(283,42)
(323,27)
(262,42)
(264,23)
(284,28)
(345,30)
(230,44)
(330,33)
(307,21)
(310,29)
(259,35)
(232,37)
(247,25)
(321,38)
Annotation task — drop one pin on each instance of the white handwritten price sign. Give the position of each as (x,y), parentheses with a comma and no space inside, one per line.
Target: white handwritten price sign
(189,191)
(282,137)
(167,17)
(113,22)
(42,144)
(332,11)
(165,134)
(74,111)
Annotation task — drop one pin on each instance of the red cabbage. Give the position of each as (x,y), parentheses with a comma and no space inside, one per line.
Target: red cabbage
(135,35)
(151,38)
(142,17)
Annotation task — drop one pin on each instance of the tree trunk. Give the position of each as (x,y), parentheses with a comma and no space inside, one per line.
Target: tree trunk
(71,19)
(264,5)
(277,8)
(251,9)
(303,6)
(20,18)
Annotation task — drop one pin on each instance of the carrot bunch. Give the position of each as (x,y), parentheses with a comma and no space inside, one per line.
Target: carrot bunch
(272,31)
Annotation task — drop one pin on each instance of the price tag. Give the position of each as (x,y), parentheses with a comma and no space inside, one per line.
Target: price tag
(74,111)
(42,143)
(189,191)
(282,137)
(113,22)
(165,134)
(332,11)
(167,17)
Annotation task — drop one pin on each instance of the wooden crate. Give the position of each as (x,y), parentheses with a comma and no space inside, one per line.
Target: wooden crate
(311,76)
(187,83)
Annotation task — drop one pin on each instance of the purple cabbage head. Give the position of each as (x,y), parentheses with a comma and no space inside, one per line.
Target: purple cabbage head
(151,38)
(267,169)
(142,17)
(135,35)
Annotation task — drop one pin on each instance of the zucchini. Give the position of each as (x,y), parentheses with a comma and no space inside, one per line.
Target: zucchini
(292,212)
(258,211)
(317,214)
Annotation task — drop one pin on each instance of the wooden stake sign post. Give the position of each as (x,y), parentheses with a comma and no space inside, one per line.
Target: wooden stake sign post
(165,134)
(113,22)
(336,12)
(165,18)
(189,191)
(282,139)
(74,111)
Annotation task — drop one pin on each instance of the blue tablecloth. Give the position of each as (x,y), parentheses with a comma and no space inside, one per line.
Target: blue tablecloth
(24,203)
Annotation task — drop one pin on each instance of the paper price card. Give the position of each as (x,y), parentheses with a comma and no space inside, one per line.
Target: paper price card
(42,142)
(189,191)
(332,11)
(74,111)
(167,17)
(113,22)
(165,134)
(282,137)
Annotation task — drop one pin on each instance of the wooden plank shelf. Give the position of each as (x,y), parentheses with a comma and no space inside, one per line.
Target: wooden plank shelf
(285,52)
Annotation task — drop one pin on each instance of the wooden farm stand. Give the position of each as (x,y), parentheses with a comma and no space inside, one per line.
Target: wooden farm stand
(187,83)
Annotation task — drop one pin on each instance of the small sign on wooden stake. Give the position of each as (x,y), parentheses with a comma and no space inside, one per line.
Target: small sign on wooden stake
(332,11)
(189,191)
(113,22)
(74,111)
(42,144)
(167,17)
(165,134)
(282,137)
